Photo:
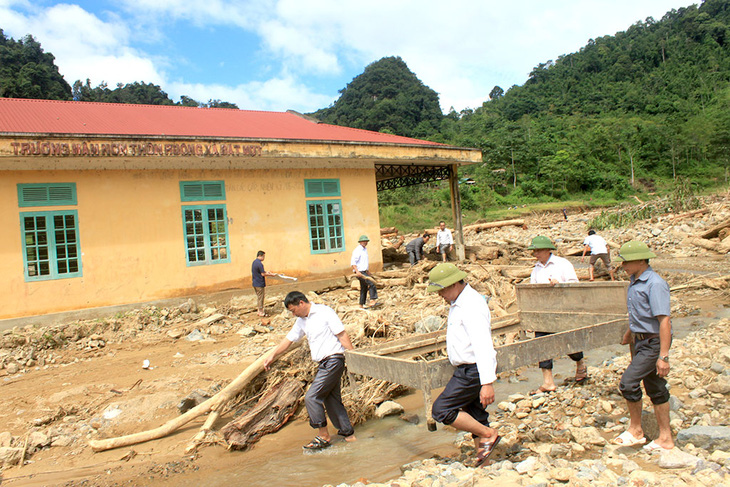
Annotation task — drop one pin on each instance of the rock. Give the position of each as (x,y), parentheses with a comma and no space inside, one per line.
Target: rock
(676,458)
(559,450)
(588,436)
(175,334)
(527,465)
(196,397)
(6,439)
(724,354)
(606,406)
(247,331)
(675,404)
(410,418)
(706,437)
(721,385)
(37,440)
(63,440)
(561,474)
(717,368)
(506,406)
(697,393)
(10,456)
(188,306)
(656,231)
(388,408)
(429,324)
(195,336)
(12,368)
(217,329)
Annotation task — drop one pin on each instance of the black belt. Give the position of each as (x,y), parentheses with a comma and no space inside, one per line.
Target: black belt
(646,336)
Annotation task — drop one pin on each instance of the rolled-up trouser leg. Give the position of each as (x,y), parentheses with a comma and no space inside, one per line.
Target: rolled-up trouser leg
(460,394)
(643,368)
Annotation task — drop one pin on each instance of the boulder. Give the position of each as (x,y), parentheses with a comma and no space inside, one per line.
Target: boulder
(588,436)
(721,385)
(676,458)
(10,456)
(388,408)
(706,437)
(429,324)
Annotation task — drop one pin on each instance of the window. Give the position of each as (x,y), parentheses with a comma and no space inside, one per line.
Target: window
(325,216)
(50,239)
(205,226)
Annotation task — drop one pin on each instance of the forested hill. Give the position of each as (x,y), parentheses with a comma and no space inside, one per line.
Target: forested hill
(671,66)
(648,104)
(386,97)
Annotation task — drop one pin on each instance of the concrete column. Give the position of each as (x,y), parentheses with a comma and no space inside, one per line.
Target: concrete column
(456,208)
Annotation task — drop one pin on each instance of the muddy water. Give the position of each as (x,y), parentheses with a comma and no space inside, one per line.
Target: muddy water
(383,445)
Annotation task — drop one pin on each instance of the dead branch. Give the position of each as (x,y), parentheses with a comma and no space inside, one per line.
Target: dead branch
(215,403)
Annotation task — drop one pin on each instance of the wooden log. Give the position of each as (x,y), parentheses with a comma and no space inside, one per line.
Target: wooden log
(215,403)
(517,272)
(688,214)
(387,230)
(270,413)
(478,227)
(480,252)
(720,247)
(715,230)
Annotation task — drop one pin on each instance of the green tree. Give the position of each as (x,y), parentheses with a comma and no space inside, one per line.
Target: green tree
(26,71)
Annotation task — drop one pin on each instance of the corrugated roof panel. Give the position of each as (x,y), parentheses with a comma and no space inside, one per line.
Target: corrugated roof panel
(69,117)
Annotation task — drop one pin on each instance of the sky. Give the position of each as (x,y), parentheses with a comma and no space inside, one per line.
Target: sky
(297,54)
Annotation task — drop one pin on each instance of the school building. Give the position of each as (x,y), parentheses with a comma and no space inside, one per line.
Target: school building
(107,204)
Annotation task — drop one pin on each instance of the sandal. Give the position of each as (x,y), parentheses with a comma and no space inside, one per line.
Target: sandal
(581,375)
(317,443)
(627,439)
(485,450)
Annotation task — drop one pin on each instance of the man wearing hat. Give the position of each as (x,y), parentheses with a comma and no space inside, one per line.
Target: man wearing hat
(551,269)
(463,402)
(360,265)
(650,330)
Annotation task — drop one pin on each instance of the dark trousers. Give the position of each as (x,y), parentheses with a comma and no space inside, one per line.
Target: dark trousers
(548,364)
(412,256)
(643,369)
(324,395)
(366,286)
(461,394)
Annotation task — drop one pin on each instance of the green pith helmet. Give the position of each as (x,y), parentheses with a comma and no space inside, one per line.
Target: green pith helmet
(363,238)
(634,250)
(541,242)
(443,276)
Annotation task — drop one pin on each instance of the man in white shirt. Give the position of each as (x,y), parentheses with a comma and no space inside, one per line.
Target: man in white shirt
(444,241)
(551,269)
(599,250)
(328,341)
(463,402)
(360,265)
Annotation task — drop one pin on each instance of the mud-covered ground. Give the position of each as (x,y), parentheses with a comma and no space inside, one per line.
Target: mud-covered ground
(66,384)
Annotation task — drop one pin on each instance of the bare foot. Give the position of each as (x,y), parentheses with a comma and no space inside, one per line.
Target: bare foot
(350,438)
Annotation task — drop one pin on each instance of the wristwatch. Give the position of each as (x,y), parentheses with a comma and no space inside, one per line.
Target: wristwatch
(665,358)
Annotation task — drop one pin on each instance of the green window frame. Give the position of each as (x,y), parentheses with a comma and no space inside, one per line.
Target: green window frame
(51,247)
(48,194)
(205,228)
(202,191)
(322,188)
(326,230)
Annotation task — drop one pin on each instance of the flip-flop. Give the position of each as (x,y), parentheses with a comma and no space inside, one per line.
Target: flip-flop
(627,439)
(317,443)
(654,446)
(486,450)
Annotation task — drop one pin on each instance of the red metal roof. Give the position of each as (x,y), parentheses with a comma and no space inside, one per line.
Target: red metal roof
(24,116)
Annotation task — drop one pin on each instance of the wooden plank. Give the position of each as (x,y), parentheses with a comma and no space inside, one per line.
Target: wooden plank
(559,321)
(528,352)
(405,372)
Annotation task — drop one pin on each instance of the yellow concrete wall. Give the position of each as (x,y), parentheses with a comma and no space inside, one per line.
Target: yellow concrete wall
(131,234)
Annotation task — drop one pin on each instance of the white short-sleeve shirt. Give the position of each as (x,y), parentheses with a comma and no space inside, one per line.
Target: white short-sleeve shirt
(597,244)
(444,237)
(320,327)
(556,268)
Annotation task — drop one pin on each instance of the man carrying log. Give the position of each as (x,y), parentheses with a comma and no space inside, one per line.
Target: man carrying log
(328,341)
(650,330)
(551,269)
(414,248)
(360,265)
(464,400)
